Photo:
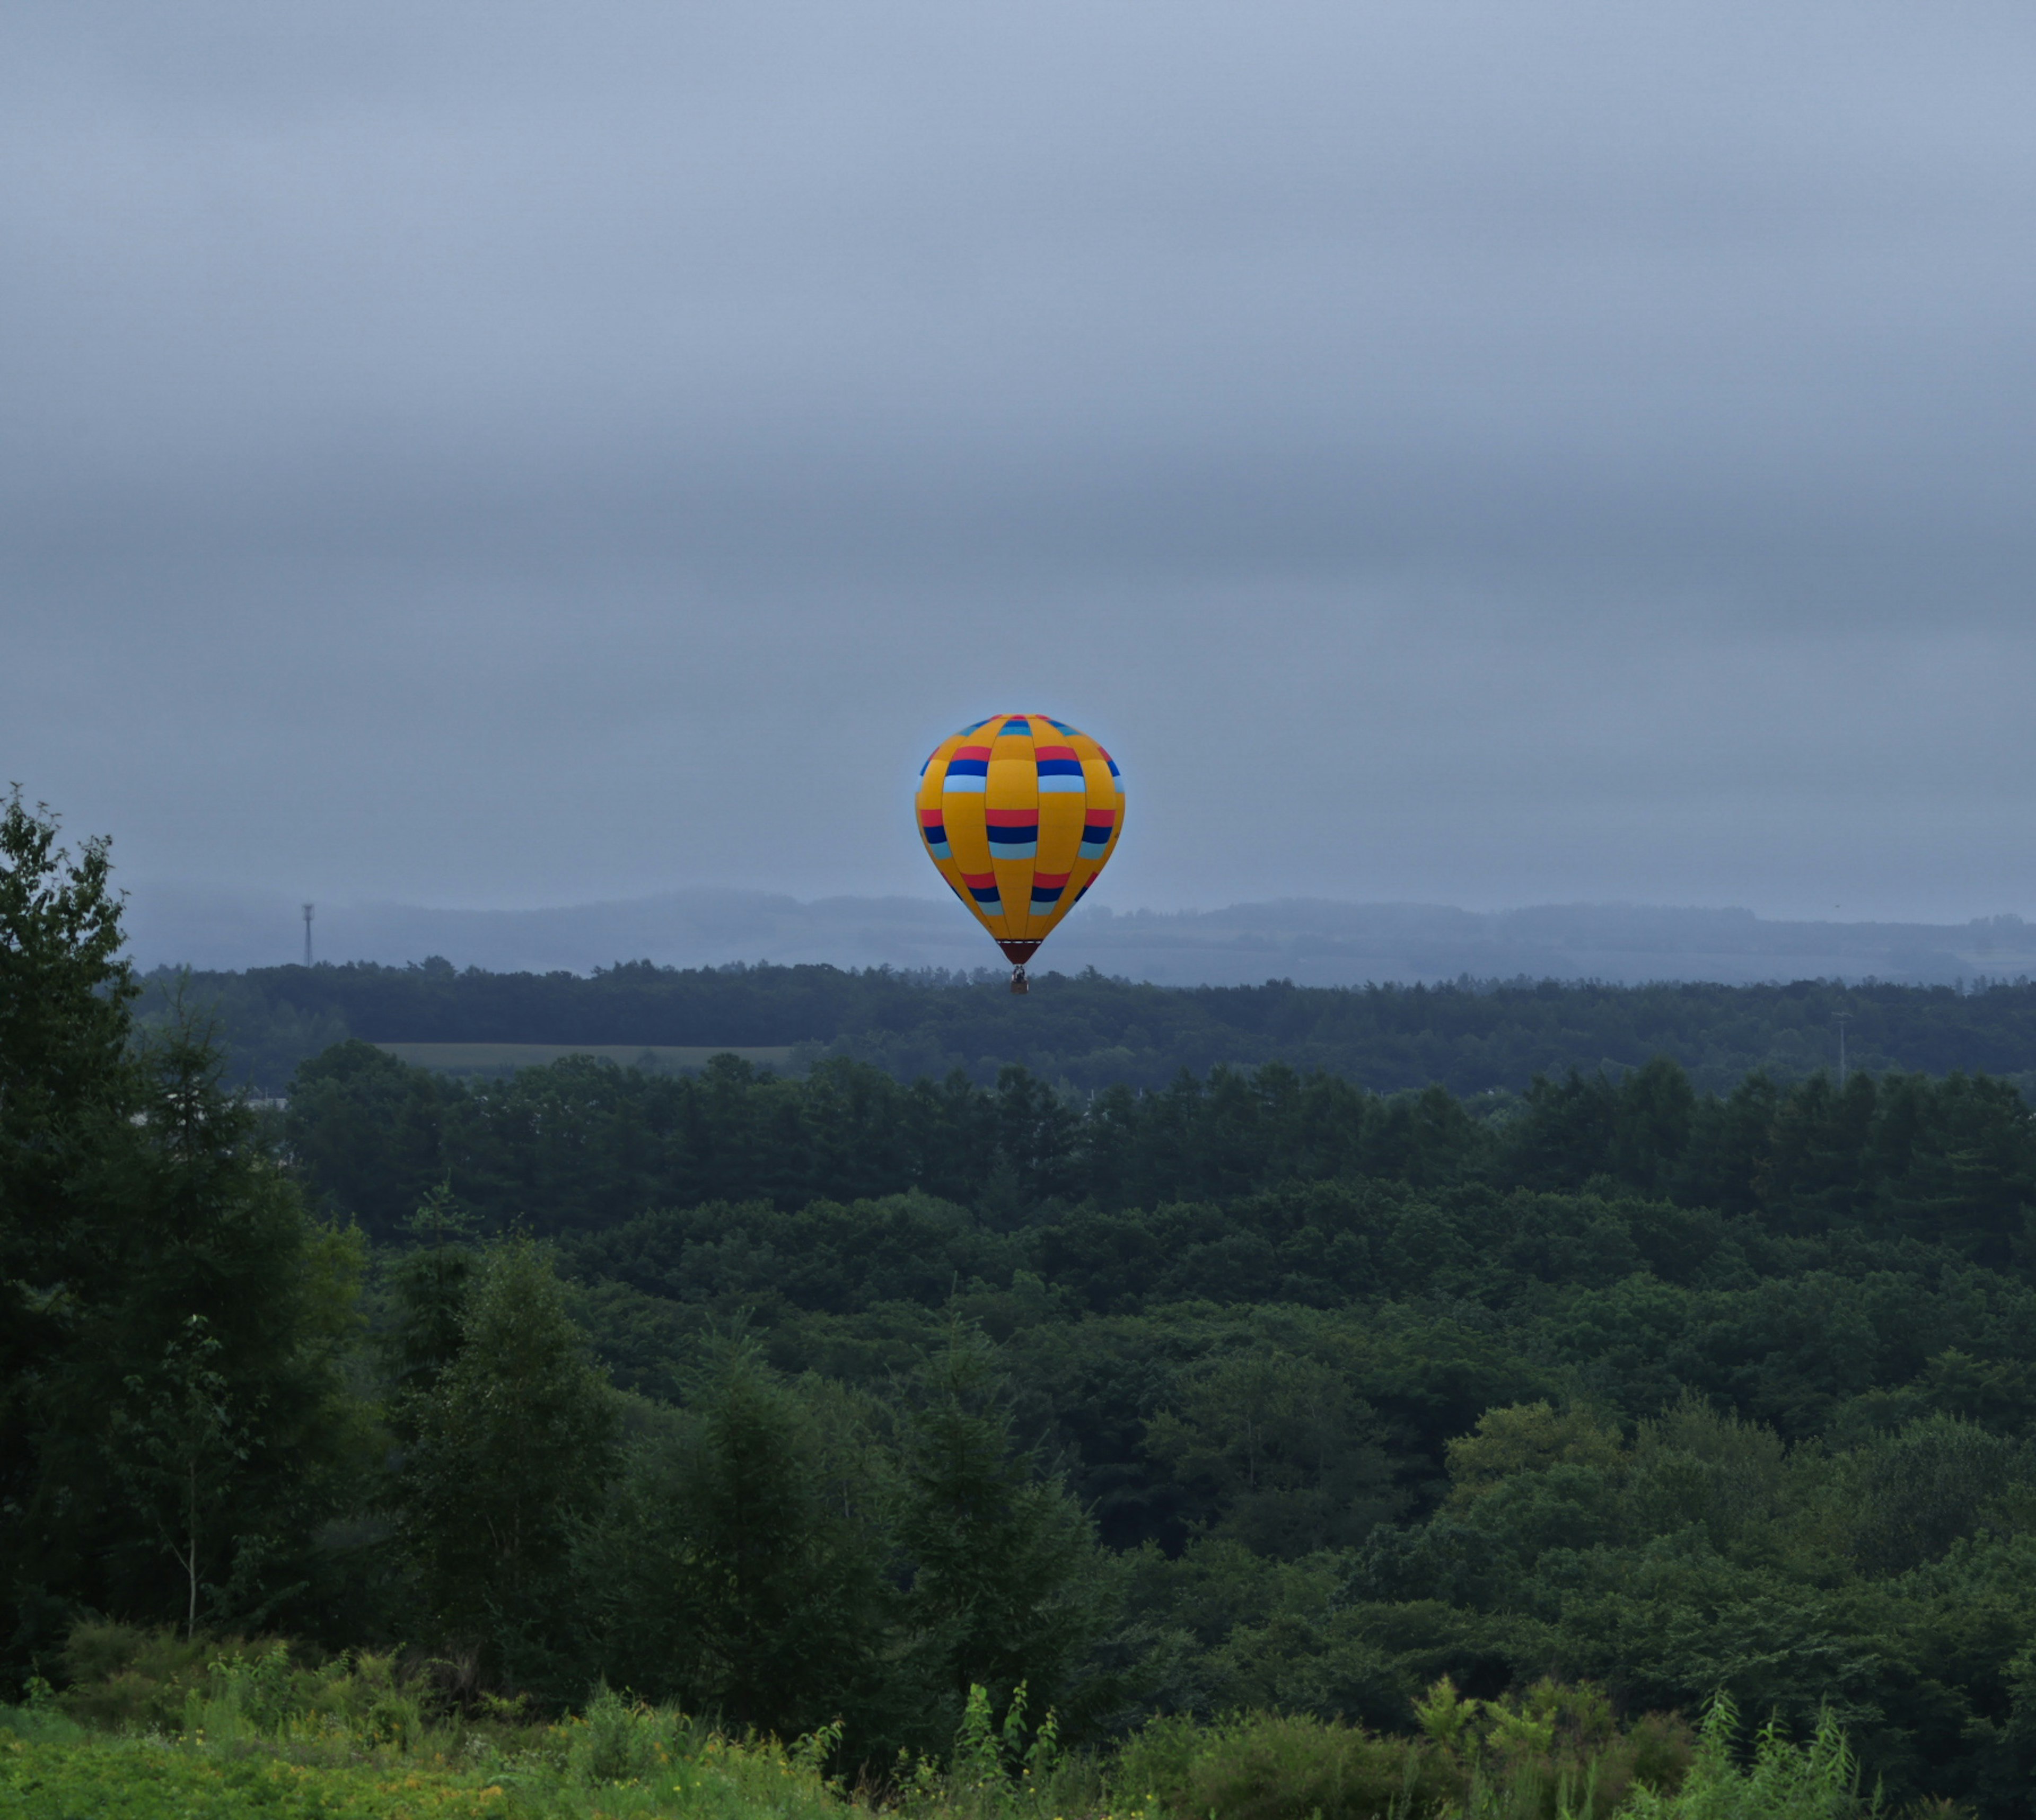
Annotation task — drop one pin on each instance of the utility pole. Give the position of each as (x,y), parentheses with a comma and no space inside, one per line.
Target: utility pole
(1840,1018)
(308,934)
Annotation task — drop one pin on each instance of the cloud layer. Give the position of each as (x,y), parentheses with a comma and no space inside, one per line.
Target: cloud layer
(503,455)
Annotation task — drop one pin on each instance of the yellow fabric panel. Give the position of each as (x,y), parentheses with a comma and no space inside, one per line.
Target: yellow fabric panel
(928,796)
(962,818)
(1014,787)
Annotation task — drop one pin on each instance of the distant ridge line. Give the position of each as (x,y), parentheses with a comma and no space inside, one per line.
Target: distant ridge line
(1311,941)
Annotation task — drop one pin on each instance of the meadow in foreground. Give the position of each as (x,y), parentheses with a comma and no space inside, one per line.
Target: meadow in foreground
(216,1732)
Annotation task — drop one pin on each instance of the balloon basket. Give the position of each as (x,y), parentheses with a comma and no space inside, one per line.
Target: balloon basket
(1018,980)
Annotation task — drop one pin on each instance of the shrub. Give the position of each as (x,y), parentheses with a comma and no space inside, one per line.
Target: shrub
(1269,1766)
(1819,1780)
(124,1678)
(1554,1752)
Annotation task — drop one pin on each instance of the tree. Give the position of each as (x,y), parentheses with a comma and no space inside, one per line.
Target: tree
(428,1290)
(1914,1493)
(515,1446)
(738,1570)
(1007,1586)
(67,1088)
(368,1131)
(174,1445)
(157,1264)
(1288,1455)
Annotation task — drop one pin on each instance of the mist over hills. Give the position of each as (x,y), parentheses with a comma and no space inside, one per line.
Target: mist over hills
(1309,941)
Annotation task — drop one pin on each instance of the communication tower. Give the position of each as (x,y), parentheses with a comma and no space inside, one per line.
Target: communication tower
(308,934)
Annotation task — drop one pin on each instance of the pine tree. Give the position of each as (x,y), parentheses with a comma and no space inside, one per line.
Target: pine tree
(1007,1584)
(739,1569)
(515,1446)
(170,1313)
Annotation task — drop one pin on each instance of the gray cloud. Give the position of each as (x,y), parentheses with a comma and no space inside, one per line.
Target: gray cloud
(502,455)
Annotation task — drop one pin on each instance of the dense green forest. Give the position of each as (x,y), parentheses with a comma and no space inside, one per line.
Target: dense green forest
(837,1397)
(1091,1032)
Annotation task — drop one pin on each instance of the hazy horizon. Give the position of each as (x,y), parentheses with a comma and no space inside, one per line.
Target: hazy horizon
(1313,941)
(1474,456)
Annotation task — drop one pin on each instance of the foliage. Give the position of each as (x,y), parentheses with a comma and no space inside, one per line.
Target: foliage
(351,1740)
(1093,1032)
(1007,1588)
(1343,1435)
(1553,1750)
(737,1566)
(174,1331)
(584,1147)
(1819,1780)
(513,1442)
(1269,1766)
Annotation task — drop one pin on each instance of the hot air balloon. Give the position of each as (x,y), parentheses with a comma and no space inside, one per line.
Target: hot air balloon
(1020,812)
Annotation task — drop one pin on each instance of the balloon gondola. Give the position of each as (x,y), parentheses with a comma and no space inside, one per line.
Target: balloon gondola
(1020,813)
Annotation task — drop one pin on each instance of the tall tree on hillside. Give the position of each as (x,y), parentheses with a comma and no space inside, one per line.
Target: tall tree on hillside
(1007,1583)
(427,1291)
(739,1568)
(66,1086)
(142,1226)
(515,1447)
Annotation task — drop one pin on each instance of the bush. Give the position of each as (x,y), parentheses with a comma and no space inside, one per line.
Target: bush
(123,1677)
(1267,1766)
(1819,1780)
(1554,1752)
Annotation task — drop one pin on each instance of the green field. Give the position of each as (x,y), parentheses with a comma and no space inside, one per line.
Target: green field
(1555,1753)
(253,1743)
(506,1058)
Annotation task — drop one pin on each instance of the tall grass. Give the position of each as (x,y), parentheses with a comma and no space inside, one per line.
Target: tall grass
(1553,1753)
(385,1737)
(1819,1780)
(376,1730)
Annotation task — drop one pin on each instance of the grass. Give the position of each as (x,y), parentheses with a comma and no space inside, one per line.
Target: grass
(506,1058)
(156,1727)
(618,1760)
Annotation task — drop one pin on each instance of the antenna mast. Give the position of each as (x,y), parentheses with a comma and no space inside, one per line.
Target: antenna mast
(308,934)
(1840,1018)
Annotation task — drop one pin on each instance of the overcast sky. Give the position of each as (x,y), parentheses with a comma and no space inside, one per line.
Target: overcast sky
(503,455)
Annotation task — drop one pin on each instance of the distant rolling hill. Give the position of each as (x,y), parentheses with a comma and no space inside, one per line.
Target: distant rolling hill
(1308,942)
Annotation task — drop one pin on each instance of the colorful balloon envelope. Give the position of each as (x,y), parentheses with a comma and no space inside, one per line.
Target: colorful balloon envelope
(1020,812)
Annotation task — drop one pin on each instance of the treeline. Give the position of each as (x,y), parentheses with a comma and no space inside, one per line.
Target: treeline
(584,1145)
(1090,1032)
